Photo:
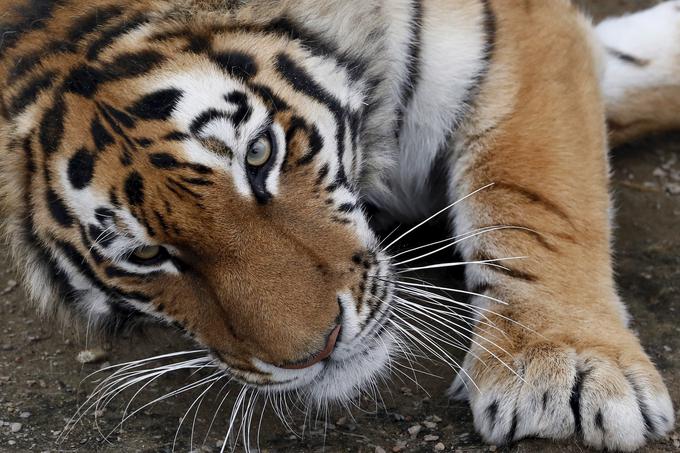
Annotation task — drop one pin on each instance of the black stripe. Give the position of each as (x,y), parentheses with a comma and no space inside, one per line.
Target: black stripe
(29,94)
(158,105)
(317,46)
(90,22)
(83,80)
(642,404)
(315,146)
(132,64)
(112,33)
(161,221)
(100,136)
(134,188)
(513,428)
(523,229)
(243,112)
(627,58)
(100,236)
(206,117)
(533,197)
(347,208)
(599,420)
(184,188)
(575,400)
(236,64)
(273,102)
(413,62)
(58,209)
(80,169)
(52,127)
(301,81)
(77,260)
(55,276)
(197,181)
(297,124)
(31,60)
(492,412)
(490,33)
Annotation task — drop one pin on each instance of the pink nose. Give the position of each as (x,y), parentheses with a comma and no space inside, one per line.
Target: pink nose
(321,355)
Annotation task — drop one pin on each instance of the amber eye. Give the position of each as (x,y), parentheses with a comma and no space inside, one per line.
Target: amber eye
(147,253)
(259,152)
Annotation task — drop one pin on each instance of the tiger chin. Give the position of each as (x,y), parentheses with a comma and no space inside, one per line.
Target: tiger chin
(210,164)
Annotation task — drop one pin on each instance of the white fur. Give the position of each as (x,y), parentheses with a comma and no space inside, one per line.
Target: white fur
(651,35)
(452,55)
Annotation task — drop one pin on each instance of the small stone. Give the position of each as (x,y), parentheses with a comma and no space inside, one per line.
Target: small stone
(25,415)
(673,188)
(430,425)
(342,421)
(95,355)
(667,348)
(414,430)
(12,442)
(434,418)
(440,447)
(430,438)
(401,446)
(15,427)
(659,172)
(380,450)
(493,448)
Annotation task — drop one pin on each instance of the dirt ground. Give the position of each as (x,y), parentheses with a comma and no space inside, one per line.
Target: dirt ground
(40,378)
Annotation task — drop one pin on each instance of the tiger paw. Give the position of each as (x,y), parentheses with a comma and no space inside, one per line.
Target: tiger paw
(612,398)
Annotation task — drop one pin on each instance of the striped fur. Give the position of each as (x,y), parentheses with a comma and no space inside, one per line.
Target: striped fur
(126,124)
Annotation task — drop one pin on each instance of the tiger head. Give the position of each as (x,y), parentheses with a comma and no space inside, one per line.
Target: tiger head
(209,177)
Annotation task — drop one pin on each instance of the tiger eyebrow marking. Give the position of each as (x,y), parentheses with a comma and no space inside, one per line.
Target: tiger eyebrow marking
(244,110)
(206,117)
(300,80)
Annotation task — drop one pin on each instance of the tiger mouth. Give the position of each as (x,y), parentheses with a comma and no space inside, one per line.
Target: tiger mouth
(320,356)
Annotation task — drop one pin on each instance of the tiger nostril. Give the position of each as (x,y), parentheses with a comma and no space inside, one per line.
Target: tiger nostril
(322,355)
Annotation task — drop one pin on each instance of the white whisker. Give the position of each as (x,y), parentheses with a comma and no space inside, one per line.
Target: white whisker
(435,215)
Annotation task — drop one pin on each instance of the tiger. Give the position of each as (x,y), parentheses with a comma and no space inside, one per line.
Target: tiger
(224,166)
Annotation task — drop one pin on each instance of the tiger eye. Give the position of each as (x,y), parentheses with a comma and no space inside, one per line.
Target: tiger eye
(259,152)
(147,253)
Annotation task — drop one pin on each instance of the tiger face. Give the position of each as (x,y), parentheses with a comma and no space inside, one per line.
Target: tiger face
(208,180)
